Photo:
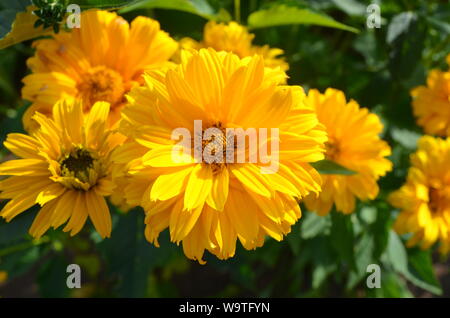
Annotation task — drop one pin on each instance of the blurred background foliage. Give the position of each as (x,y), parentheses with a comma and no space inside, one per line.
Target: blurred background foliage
(322,256)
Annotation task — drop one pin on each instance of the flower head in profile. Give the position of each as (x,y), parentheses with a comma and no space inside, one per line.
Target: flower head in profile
(424,200)
(354,143)
(209,204)
(100,61)
(65,168)
(431,103)
(235,38)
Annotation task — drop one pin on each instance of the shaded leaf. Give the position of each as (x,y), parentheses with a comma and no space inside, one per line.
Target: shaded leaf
(313,225)
(198,7)
(284,15)
(331,167)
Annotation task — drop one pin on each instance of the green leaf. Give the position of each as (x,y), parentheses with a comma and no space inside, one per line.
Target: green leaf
(380,230)
(439,24)
(422,272)
(396,253)
(323,261)
(400,25)
(406,37)
(294,239)
(351,7)
(398,259)
(342,237)
(331,167)
(104,4)
(363,257)
(391,287)
(52,277)
(198,7)
(121,252)
(406,138)
(129,256)
(284,15)
(17,230)
(313,225)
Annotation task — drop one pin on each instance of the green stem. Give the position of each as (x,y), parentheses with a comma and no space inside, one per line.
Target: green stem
(23,246)
(237,11)
(252,5)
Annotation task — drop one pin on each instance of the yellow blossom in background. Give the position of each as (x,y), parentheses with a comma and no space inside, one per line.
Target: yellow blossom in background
(431,103)
(235,38)
(100,61)
(3,276)
(65,167)
(208,206)
(23,29)
(353,142)
(424,200)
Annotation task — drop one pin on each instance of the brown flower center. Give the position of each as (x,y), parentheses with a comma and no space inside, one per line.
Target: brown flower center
(435,199)
(101,84)
(215,147)
(79,169)
(332,149)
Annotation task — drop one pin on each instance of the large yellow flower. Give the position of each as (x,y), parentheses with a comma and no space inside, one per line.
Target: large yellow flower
(233,37)
(65,168)
(100,61)
(424,200)
(211,205)
(353,142)
(431,103)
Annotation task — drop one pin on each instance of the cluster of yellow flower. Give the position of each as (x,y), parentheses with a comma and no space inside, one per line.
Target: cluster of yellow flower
(107,97)
(424,200)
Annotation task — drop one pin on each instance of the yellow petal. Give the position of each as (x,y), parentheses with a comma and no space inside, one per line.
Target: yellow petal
(170,185)
(198,187)
(219,191)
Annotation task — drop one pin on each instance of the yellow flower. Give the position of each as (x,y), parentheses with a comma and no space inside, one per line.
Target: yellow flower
(353,142)
(23,28)
(233,37)
(424,200)
(3,276)
(65,168)
(100,61)
(211,205)
(431,103)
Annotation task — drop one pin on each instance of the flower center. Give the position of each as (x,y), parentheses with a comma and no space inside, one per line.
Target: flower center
(79,169)
(101,84)
(332,149)
(214,147)
(439,199)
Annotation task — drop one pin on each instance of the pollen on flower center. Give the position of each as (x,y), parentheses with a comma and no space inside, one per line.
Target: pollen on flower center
(79,169)
(438,199)
(216,143)
(101,84)
(332,149)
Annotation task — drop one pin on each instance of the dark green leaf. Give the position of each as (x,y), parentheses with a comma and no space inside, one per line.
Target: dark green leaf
(331,167)
(285,15)
(421,269)
(198,7)
(313,225)
(363,257)
(342,237)
(351,7)
(442,26)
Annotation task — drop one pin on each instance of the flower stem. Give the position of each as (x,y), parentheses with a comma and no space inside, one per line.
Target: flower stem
(237,11)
